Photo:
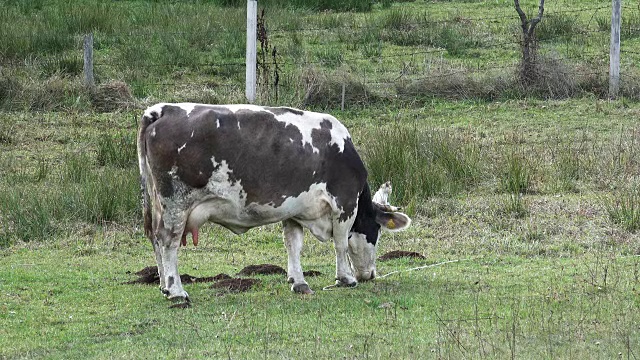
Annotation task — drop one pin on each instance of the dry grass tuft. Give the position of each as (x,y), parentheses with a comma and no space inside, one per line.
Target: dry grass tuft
(456,85)
(57,93)
(112,96)
(324,90)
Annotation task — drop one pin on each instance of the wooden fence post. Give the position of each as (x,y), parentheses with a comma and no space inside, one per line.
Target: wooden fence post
(614,50)
(252,25)
(89,81)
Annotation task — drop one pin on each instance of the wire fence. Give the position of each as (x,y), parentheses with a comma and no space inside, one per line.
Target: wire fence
(405,49)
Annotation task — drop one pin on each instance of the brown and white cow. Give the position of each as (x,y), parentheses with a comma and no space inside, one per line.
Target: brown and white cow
(242,166)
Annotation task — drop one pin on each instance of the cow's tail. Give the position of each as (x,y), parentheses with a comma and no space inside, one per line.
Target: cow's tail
(147,119)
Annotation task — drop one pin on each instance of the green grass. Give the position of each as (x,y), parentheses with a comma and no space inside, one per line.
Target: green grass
(555,280)
(527,193)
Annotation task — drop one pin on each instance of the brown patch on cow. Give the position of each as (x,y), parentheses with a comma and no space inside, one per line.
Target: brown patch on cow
(400,254)
(262,269)
(312,273)
(235,285)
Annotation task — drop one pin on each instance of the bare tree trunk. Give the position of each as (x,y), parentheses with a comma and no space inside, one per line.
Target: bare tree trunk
(528,71)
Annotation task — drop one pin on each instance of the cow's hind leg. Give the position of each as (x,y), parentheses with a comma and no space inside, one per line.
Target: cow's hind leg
(293,238)
(168,244)
(157,248)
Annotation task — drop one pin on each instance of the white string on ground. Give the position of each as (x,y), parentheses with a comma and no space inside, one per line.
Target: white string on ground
(332,287)
(422,267)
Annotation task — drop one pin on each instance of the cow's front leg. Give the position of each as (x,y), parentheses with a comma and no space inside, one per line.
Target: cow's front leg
(172,287)
(293,235)
(344,277)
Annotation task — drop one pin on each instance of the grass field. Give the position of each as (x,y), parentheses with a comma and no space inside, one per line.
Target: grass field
(535,195)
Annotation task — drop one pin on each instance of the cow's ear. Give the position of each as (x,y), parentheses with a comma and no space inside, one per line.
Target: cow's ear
(392,220)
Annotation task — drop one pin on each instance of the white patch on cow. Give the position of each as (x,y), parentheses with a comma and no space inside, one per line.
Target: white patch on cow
(309,121)
(290,139)
(188,107)
(237,107)
(192,132)
(155,109)
(153,132)
(182,147)
(217,123)
(238,125)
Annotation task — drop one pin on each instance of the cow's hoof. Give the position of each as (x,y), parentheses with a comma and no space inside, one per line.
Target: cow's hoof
(180,305)
(176,296)
(345,282)
(302,289)
(182,297)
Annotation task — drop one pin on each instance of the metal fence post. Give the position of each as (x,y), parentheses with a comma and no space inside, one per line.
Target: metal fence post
(614,50)
(252,25)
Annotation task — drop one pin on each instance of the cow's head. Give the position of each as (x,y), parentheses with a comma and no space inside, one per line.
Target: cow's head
(371,221)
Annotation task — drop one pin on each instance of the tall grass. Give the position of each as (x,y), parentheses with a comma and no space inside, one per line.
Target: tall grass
(82,194)
(516,174)
(25,215)
(118,150)
(422,164)
(623,206)
(554,26)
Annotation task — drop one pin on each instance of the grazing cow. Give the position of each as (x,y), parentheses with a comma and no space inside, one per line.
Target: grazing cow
(242,166)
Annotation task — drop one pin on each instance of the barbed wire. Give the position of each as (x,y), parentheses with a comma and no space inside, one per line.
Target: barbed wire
(205,84)
(212,64)
(434,22)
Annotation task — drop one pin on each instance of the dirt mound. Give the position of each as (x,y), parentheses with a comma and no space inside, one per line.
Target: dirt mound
(235,285)
(312,273)
(400,254)
(149,275)
(262,269)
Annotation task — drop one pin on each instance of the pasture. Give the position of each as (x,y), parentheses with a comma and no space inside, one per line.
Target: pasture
(536,197)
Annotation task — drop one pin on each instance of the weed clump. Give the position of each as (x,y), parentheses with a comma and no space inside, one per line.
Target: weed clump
(422,164)
(623,207)
(455,85)
(325,91)
(117,150)
(112,96)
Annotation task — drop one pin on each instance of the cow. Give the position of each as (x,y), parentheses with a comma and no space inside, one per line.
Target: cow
(243,166)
